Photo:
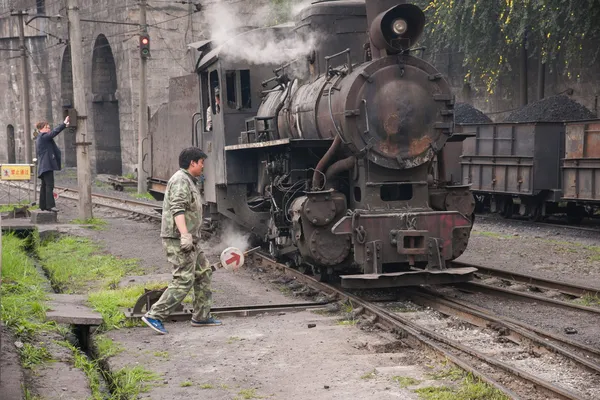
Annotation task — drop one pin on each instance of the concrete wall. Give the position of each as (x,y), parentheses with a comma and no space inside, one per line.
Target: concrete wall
(111,61)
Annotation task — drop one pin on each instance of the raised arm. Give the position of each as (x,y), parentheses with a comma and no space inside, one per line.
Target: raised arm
(60,128)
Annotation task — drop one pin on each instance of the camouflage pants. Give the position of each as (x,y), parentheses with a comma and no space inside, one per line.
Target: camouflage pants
(190,269)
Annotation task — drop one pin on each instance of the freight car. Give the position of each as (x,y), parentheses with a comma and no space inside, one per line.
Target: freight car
(533,169)
(330,168)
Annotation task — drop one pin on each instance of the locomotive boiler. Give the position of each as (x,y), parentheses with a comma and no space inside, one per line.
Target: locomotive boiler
(333,167)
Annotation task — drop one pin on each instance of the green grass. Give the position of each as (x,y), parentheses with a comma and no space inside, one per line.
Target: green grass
(109,303)
(248,394)
(369,375)
(130,175)
(206,386)
(32,355)
(106,347)
(493,235)
(96,224)
(23,308)
(129,382)
(451,373)
(162,354)
(405,381)
(186,384)
(76,265)
(347,322)
(90,369)
(143,196)
(589,300)
(233,339)
(469,389)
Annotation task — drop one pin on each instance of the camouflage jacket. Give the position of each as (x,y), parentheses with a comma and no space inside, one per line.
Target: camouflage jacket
(181,197)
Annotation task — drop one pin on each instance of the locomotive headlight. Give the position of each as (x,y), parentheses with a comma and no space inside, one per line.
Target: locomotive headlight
(399,26)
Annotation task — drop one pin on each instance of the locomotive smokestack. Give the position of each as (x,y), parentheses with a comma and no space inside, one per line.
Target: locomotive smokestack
(394,26)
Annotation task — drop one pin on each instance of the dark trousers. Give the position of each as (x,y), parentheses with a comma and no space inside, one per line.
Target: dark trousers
(46,191)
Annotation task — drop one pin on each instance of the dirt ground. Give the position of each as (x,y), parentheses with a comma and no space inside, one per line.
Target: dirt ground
(278,356)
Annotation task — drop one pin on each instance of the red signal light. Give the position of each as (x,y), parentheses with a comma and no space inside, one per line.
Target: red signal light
(145,41)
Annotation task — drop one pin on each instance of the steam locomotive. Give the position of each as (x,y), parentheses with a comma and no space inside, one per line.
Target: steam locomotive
(329,158)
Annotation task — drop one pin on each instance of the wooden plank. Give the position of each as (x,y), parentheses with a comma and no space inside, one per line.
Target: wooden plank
(71,309)
(17,225)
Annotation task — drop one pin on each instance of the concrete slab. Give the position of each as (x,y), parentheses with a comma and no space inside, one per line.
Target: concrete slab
(17,225)
(71,309)
(43,217)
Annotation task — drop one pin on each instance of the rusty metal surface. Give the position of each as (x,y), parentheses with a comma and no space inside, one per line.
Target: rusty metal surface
(581,166)
(513,158)
(407,278)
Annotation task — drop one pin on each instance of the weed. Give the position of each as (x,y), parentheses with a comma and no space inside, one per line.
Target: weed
(27,394)
(470,388)
(233,339)
(129,382)
(405,381)
(32,355)
(96,224)
(109,303)
(186,384)
(589,300)
(206,386)
(347,322)
(130,175)
(90,369)
(452,373)
(369,375)
(248,394)
(143,196)
(285,290)
(106,348)
(162,354)
(347,307)
(75,265)
(493,235)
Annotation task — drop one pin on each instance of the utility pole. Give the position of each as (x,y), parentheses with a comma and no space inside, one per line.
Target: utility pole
(143,112)
(25,86)
(84,179)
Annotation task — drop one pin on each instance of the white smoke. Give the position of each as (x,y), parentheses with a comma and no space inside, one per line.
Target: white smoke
(232,236)
(259,46)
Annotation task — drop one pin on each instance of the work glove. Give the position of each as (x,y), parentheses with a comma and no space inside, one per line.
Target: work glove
(187,242)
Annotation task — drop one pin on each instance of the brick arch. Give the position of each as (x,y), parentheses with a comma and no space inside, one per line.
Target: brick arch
(105,109)
(67,102)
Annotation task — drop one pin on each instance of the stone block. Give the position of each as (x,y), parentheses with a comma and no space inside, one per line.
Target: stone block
(43,217)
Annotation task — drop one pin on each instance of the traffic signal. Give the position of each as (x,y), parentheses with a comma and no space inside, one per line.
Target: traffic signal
(145,45)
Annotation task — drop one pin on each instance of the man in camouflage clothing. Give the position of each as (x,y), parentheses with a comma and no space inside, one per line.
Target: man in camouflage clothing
(180,232)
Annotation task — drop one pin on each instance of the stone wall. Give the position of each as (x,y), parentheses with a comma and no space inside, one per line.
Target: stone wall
(111,67)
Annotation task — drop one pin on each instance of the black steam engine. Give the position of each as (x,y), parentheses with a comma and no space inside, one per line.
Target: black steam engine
(331,164)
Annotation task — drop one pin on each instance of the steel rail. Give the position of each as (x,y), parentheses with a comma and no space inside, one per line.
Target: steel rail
(461,305)
(567,288)
(483,318)
(497,291)
(546,224)
(419,336)
(107,197)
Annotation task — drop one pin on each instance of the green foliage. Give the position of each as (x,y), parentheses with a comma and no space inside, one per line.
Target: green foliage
(109,303)
(95,223)
(143,196)
(106,347)
(490,34)
(186,384)
(130,382)
(75,265)
(32,355)
(405,381)
(206,386)
(469,388)
(90,369)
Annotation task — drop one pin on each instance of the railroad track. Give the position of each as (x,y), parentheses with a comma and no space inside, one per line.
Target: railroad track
(137,208)
(140,210)
(505,375)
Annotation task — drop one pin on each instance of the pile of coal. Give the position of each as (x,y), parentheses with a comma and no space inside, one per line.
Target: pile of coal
(552,109)
(467,114)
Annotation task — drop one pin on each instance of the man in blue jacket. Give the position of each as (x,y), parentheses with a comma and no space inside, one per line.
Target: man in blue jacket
(49,160)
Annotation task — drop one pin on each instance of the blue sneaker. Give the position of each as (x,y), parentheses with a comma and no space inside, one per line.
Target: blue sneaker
(207,322)
(155,324)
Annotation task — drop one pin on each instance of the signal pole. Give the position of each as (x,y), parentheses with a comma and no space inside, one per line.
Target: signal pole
(84,180)
(25,86)
(143,111)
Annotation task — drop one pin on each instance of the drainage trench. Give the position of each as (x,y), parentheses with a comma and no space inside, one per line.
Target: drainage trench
(80,335)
